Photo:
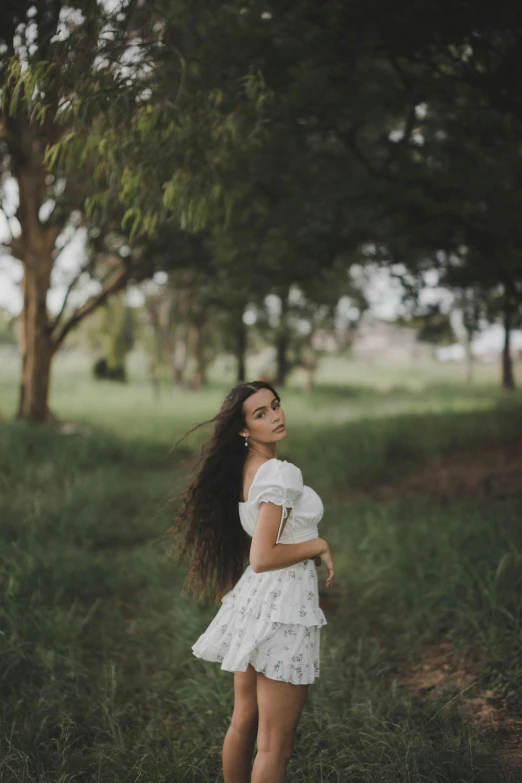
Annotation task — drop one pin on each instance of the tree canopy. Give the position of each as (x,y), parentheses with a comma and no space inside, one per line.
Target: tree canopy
(266,146)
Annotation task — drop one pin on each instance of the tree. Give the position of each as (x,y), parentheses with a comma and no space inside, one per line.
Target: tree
(51,49)
(292,138)
(456,186)
(164,311)
(472,306)
(117,332)
(239,154)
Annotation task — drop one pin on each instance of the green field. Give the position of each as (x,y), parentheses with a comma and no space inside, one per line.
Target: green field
(98,682)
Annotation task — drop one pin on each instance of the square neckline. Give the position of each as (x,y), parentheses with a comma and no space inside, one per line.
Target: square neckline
(244,502)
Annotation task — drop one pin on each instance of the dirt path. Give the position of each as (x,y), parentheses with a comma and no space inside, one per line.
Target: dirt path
(488,472)
(440,669)
(492,473)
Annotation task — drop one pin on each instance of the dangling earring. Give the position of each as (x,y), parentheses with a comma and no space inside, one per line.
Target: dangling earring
(246,441)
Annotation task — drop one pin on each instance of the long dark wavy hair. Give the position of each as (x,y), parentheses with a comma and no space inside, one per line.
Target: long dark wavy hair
(207,528)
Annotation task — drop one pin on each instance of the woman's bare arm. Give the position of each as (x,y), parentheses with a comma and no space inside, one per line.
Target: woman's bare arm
(266,555)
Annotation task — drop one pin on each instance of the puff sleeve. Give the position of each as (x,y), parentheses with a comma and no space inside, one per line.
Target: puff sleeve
(277,481)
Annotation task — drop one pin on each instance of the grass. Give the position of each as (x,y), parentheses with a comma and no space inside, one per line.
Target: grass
(97,679)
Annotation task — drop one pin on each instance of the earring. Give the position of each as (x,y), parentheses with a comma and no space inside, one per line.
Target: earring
(246,441)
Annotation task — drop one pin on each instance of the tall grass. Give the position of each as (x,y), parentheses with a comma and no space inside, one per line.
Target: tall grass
(97,680)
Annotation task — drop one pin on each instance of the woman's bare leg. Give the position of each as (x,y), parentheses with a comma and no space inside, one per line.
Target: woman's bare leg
(280,705)
(241,735)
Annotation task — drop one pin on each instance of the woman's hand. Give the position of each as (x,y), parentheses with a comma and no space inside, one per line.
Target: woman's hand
(327,558)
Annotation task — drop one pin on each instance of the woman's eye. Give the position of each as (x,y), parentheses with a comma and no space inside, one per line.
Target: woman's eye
(274,408)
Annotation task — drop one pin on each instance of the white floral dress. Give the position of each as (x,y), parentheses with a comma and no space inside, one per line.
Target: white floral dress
(273,619)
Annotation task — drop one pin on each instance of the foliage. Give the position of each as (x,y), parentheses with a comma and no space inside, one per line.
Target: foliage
(273,149)
(266,147)
(432,325)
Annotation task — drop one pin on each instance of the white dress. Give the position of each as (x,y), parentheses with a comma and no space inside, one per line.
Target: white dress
(273,619)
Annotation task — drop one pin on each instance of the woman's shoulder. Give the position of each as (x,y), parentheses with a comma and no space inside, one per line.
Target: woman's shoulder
(276,481)
(279,472)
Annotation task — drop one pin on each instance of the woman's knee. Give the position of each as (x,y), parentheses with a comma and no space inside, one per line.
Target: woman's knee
(245,721)
(277,745)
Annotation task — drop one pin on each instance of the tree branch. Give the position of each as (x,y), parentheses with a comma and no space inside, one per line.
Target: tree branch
(350,139)
(395,147)
(16,246)
(70,287)
(52,232)
(115,282)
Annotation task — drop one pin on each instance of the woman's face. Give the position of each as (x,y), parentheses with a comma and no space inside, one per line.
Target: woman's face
(264,418)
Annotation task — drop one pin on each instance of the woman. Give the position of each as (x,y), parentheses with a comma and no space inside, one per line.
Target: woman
(242,502)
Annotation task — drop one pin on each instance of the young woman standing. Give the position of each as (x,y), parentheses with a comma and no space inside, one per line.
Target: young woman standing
(243,503)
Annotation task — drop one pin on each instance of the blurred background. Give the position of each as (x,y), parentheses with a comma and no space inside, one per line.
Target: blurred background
(325,196)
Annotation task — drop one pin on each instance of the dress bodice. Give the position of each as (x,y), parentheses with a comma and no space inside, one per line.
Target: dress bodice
(289,594)
(281,482)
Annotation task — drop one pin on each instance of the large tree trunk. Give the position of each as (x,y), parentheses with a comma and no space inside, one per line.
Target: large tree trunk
(37,345)
(35,381)
(508,378)
(35,250)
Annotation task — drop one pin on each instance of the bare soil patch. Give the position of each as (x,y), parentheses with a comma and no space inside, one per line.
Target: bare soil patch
(488,473)
(440,668)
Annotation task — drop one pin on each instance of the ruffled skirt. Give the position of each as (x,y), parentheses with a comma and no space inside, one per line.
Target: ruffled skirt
(271,620)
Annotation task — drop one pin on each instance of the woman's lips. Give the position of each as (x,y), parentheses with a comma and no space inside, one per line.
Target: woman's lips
(278,429)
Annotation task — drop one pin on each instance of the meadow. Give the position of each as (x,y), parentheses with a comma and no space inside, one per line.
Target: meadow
(98,682)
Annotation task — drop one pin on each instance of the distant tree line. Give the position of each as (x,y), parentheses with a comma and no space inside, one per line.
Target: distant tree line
(250,149)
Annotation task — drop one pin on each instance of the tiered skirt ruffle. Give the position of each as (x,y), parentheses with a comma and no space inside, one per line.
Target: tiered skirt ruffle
(270,620)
